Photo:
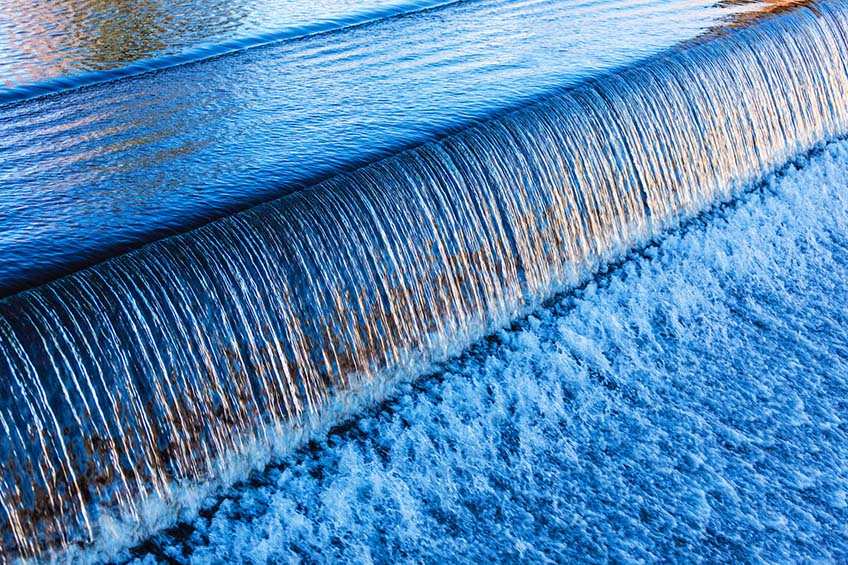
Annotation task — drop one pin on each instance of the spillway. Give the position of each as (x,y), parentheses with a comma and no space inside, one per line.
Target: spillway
(125,162)
(127,379)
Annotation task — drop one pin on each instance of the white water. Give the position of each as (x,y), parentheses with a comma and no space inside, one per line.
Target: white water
(182,363)
(689,406)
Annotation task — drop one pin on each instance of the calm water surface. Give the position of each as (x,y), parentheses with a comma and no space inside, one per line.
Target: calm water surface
(52,38)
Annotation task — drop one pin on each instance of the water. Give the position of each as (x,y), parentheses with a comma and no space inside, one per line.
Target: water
(197,357)
(689,406)
(89,173)
(64,39)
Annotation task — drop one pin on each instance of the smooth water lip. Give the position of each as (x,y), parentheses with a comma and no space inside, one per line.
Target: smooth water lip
(92,173)
(61,84)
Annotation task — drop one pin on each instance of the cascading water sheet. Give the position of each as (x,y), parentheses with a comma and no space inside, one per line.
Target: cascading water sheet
(686,405)
(151,371)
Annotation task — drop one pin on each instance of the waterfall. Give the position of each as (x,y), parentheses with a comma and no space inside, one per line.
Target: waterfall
(127,378)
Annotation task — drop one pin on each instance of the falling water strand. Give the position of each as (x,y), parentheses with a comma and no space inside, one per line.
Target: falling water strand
(145,372)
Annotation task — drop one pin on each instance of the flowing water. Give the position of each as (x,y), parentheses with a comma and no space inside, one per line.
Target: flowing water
(94,171)
(55,43)
(688,406)
(197,357)
(160,368)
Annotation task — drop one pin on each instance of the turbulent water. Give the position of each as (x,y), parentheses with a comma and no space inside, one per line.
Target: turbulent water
(689,406)
(130,385)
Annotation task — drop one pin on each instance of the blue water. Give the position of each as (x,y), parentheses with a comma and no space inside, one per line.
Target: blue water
(89,173)
(690,405)
(65,43)
(685,404)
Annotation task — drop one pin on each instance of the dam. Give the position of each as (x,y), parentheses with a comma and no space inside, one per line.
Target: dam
(134,370)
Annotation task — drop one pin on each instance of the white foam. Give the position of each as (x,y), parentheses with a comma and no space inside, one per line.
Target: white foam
(689,407)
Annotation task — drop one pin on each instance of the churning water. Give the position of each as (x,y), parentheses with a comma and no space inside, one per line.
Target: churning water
(196,357)
(690,406)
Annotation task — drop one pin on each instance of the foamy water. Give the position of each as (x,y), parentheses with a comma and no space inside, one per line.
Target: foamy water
(690,406)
